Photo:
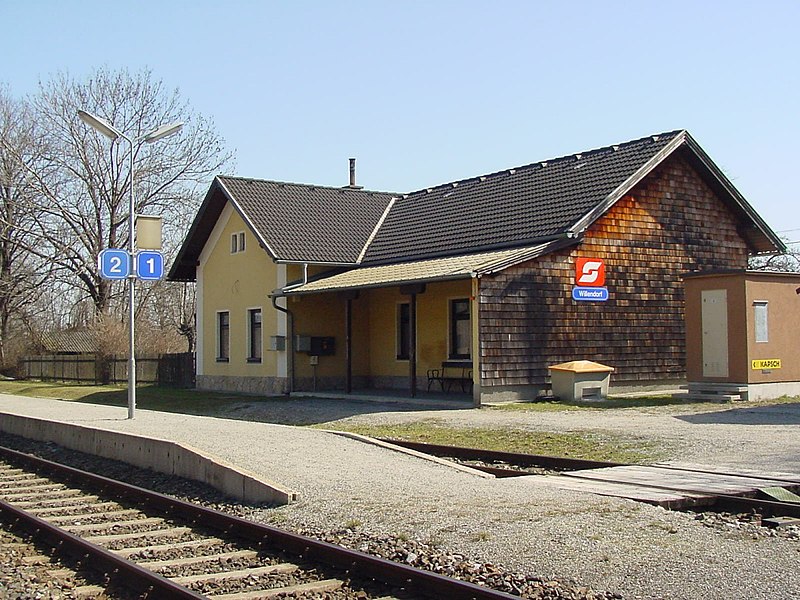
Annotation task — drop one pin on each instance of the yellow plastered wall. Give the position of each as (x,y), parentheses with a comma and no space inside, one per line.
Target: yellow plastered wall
(324,315)
(236,283)
(375,329)
(433,327)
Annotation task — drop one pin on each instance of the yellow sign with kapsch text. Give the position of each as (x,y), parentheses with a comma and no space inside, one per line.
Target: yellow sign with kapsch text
(762,364)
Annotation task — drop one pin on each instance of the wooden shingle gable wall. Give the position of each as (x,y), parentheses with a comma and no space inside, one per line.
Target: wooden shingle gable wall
(670,223)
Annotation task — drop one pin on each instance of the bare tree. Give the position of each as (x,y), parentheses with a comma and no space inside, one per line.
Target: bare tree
(22,273)
(171,307)
(83,181)
(788,262)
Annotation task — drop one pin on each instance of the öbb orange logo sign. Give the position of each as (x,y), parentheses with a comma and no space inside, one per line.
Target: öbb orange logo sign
(590,272)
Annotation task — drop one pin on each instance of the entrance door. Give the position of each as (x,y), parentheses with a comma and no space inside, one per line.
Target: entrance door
(714,317)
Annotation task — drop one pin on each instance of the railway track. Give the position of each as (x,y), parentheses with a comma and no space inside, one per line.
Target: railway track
(518,465)
(156,546)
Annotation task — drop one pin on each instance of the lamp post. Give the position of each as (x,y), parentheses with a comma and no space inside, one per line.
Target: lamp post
(112,133)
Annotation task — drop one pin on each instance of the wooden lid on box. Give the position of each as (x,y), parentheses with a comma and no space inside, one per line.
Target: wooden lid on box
(582,366)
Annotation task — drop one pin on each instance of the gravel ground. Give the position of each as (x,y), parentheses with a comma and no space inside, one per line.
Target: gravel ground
(746,435)
(618,546)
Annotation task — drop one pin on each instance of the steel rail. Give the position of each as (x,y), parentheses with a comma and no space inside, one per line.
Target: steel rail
(515,458)
(500,472)
(767,508)
(355,563)
(86,553)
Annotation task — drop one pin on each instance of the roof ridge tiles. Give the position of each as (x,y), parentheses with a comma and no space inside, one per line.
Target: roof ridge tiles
(544,163)
(311,186)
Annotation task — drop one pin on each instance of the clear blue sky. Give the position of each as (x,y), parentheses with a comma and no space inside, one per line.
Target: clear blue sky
(428,92)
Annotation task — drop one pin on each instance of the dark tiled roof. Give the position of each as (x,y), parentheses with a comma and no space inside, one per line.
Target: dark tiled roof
(524,206)
(509,207)
(306,222)
(293,221)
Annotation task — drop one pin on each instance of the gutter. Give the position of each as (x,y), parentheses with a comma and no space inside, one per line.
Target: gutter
(281,293)
(290,341)
(289,261)
(294,286)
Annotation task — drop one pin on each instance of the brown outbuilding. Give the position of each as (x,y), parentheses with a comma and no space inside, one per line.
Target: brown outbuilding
(742,335)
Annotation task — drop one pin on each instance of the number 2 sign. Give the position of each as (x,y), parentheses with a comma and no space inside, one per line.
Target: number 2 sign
(114,264)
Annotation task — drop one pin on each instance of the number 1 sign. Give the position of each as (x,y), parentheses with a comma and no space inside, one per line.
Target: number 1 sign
(149,265)
(114,264)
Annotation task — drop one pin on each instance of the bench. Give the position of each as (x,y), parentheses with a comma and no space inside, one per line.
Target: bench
(452,372)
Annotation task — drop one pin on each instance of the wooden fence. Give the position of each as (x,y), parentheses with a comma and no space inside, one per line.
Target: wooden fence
(173,370)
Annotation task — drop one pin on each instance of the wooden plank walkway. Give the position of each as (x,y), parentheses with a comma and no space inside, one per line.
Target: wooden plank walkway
(787,478)
(658,497)
(666,484)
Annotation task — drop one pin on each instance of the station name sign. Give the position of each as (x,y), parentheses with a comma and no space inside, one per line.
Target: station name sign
(590,280)
(591,294)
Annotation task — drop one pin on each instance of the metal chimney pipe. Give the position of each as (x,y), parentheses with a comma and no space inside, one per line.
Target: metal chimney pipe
(352,172)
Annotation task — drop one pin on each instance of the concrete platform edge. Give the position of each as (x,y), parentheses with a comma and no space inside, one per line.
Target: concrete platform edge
(415,453)
(160,455)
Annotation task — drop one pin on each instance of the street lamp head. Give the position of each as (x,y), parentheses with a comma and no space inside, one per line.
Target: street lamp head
(100,124)
(163,131)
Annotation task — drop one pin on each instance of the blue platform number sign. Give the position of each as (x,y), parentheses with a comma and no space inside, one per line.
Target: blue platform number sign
(114,264)
(149,265)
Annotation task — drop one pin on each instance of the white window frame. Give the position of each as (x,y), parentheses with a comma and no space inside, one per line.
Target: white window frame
(238,242)
(218,345)
(761,321)
(450,339)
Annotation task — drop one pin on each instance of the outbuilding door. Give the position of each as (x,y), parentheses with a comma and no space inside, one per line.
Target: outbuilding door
(714,317)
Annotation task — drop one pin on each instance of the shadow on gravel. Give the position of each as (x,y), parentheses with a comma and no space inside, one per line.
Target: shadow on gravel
(314,411)
(781,414)
(278,410)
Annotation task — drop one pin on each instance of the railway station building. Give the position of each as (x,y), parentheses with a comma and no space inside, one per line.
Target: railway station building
(471,287)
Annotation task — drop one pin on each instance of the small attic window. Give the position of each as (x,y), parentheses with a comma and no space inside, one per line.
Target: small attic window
(237,242)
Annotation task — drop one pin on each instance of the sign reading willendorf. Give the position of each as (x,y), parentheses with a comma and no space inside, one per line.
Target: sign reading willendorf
(590,280)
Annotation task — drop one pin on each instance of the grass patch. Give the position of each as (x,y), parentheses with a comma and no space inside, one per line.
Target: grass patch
(612,402)
(617,402)
(586,445)
(148,397)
